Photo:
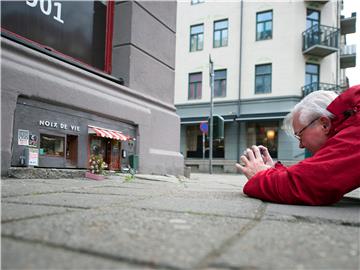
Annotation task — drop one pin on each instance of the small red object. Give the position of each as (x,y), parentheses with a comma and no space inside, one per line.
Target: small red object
(97,177)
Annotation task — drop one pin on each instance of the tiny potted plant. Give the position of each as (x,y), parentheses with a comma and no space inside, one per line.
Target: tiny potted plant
(96,167)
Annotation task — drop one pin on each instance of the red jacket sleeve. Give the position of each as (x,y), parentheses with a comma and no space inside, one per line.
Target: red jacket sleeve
(320,180)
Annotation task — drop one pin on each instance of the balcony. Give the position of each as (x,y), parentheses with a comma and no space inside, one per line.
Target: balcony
(348,25)
(320,40)
(312,87)
(348,56)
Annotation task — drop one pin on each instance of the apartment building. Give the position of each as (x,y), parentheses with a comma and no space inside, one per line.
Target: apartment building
(89,77)
(267,56)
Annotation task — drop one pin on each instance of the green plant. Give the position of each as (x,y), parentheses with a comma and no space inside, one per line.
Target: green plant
(97,164)
(131,175)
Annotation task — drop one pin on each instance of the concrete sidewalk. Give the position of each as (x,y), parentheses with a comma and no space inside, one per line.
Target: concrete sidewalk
(160,222)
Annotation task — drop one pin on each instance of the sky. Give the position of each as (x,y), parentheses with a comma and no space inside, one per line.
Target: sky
(353,6)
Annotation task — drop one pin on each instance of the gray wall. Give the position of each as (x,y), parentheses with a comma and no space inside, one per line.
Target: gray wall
(144,54)
(145,58)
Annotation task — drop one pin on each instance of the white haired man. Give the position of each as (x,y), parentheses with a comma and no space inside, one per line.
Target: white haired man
(329,127)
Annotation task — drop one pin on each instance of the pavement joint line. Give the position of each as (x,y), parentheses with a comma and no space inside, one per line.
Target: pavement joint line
(156,180)
(112,194)
(319,220)
(215,253)
(315,220)
(113,186)
(223,266)
(228,184)
(112,205)
(116,258)
(37,216)
(74,190)
(95,193)
(61,192)
(31,194)
(189,212)
(66,190)
(52,205)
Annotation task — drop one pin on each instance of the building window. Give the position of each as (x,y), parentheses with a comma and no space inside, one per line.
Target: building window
(73,30)
(194,2)
(312,18)
(263,79)
(220,83)
(220,33)
(51,145)
(264,133)
(264,25)
(312,74)
(195,85)
(196,37)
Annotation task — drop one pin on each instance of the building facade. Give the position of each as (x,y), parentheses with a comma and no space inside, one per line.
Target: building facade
(89,77)
(267,56)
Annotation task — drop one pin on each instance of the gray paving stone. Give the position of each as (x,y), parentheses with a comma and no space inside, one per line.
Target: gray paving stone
(214,184)
(286,245)
(76,200)
(347,211)
(17,254)
(165,224)
(230,204)
(130,189)
(164,238)
(223,194)
(210,188)
(120,191)
(16,187)
(12,211)
(161,178)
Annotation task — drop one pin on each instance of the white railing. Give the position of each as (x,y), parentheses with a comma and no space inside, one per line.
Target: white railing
(348,49)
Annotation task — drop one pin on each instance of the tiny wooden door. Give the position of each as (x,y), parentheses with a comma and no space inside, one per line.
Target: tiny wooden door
(115,155)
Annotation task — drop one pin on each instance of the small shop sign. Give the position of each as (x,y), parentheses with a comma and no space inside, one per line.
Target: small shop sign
(33,140)
(33,158)
(57,125)
(23,137)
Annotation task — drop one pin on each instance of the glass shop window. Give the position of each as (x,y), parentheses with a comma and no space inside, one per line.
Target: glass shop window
(51,145)
(264,133)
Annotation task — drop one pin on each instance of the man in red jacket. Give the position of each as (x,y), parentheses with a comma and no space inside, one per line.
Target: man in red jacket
(329,127)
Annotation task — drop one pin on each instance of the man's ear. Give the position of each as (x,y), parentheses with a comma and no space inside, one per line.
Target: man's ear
(326,123)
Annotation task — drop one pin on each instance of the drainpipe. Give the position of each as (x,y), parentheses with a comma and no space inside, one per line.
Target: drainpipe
(240,71)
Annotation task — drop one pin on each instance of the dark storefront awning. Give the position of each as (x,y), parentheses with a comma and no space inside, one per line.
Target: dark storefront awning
(108,133)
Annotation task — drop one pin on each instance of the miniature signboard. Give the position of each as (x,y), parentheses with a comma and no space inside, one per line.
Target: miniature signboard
(33,157)
(23,137)
(33,140)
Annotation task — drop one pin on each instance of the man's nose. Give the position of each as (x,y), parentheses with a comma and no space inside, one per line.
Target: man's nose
(301,145)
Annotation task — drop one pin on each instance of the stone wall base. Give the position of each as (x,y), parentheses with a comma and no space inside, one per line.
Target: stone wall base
(42,173)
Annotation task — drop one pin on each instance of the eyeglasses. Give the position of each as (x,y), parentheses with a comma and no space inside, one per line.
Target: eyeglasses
(297,135)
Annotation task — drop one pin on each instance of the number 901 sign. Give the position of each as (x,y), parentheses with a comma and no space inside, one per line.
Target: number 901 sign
(46,8)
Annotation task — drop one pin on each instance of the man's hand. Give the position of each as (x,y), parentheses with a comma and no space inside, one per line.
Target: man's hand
(266,156)
(254,162)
